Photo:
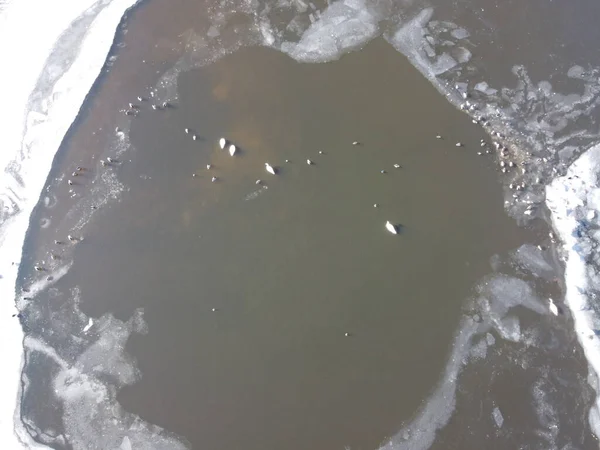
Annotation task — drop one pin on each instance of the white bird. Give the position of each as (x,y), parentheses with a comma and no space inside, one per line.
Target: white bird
(270,168)
(309,162)
(552,306)
(89,325)
(213,179)
(208,166)
(232,149)
(222,143)
(391,227)
(194,137)
(187,130)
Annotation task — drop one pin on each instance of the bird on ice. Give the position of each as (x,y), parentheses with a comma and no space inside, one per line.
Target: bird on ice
(391,227)
(232,149)
(270,168)
(222,143)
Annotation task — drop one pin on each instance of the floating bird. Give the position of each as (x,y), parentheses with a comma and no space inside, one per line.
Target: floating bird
(459,144)
(140,99)
(397,166)
(232,149)
(391,227)
(75,174)
(194,137)
(194,175)
(383,171)
(166,105)
(270,168)
(79,169)
(187,130)
(356,143)
(54,256)
(552,306)
(309,162)
(57,242)
(110,160)
(39,268)
(214,310)
(347,334)
(154,107)
(222,143)
(214,179)
(375,205)
(287,160)
(71,238)
(320,152)
(132,106)
(70,182)
(208,166)
(258,181)
(438,137)
(104,163)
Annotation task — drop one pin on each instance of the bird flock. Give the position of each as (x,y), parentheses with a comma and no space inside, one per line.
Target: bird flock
(505,164)
(232,149)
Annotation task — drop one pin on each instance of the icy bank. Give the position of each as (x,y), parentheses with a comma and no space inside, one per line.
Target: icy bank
(57,52)
(574,200)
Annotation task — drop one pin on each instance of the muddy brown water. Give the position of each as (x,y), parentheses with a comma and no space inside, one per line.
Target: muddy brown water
(294,264)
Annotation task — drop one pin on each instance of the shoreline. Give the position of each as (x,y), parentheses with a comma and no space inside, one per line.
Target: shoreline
(15,222)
